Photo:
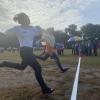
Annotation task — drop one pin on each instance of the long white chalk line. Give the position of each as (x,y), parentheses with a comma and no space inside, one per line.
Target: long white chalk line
(75,85)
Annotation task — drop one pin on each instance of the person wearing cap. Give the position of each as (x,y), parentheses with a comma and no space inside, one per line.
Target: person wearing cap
(26,34)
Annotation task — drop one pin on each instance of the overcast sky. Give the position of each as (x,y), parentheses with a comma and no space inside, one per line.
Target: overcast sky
(51,13)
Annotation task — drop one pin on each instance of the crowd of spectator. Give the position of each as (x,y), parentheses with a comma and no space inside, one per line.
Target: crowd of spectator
(9,49)
(60,48)
(87,48)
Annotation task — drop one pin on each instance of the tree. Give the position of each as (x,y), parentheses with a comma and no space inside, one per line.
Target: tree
(61,37)
(2,40)
(91,31)
(11,40)
(72,29)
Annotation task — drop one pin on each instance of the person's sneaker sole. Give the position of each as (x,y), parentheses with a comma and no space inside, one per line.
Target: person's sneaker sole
(65,70)
(48,92)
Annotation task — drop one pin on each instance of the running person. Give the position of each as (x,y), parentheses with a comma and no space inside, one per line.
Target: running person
(49,48)
(26,34)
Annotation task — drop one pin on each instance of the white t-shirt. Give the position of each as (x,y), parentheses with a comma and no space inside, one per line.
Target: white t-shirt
(25,35)
(49,38)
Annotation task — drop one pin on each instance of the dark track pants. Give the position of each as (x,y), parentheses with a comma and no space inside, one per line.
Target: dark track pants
(45,56)
(28,58)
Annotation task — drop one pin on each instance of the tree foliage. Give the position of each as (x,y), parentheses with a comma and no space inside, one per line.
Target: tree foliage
(90,31)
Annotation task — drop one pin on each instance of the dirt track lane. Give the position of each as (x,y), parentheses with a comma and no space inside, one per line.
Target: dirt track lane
(17,85)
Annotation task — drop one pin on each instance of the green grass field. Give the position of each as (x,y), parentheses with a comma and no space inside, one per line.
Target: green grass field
(21,85)
(67,57)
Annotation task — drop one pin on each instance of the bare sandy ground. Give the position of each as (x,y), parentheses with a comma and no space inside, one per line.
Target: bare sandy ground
(21,85)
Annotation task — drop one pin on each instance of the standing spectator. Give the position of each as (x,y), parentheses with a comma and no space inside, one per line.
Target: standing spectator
(1,50)
(95,47)
(73,47)
(99,45)
(60,48)
(89,47)
(77,48)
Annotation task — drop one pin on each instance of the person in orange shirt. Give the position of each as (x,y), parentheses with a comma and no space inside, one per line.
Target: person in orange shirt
(49,48)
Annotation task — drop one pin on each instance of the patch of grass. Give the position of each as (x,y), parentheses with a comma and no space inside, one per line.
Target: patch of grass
(67,58)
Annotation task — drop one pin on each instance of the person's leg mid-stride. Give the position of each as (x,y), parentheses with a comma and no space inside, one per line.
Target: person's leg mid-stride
(56,58)
(29,59)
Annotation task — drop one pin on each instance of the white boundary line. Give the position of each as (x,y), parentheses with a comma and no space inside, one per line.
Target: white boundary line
(75,85)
